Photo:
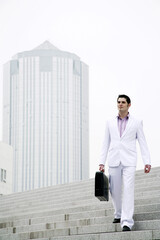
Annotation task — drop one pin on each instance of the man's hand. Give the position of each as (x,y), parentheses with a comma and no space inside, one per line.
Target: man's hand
(147,168)
(101,168)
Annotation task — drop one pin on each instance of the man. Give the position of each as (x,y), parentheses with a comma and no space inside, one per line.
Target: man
(119,147)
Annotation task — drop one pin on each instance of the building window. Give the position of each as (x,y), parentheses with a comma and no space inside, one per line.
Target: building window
(76,67)
(3,175)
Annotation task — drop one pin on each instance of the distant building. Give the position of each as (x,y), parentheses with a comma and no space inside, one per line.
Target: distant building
(46,117)
(6,159)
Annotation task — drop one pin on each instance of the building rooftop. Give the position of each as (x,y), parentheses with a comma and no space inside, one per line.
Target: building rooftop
(46,49)
(46,46)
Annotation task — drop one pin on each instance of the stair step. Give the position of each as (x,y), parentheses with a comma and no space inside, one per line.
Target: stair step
(133,235)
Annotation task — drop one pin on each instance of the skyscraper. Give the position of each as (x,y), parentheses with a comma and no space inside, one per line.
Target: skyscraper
(46,117)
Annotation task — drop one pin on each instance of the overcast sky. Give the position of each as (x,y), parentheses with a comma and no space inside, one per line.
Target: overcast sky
(118,39)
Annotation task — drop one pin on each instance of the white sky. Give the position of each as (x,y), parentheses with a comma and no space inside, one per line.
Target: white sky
(118,39)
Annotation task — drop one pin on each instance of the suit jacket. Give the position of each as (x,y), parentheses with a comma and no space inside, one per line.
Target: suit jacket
(122,149)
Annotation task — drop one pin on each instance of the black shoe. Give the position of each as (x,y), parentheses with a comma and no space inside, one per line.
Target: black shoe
(126,228)
(116,220)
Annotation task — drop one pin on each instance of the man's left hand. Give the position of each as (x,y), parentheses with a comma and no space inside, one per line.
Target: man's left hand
(147,168)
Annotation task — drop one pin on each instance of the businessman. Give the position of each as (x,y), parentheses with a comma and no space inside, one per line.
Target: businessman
(119,148)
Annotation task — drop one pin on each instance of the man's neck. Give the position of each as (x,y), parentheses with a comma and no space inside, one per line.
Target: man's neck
(123,114)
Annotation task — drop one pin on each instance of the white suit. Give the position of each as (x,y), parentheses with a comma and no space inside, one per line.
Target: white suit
(121,155)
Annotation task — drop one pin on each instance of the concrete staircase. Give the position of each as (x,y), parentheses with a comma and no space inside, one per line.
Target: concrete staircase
(71,212)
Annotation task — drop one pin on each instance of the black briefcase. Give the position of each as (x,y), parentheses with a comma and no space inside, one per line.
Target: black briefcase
(101,186)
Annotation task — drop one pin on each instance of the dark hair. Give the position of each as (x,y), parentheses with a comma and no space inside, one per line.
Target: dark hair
(124,96)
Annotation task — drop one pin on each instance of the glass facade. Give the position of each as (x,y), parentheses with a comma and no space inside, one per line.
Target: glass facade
(46,117)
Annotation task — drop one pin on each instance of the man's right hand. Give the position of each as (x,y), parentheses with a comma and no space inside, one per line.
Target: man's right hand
(101,168)
(147,168)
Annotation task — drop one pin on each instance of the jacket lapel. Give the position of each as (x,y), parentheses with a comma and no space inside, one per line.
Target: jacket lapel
(116,127)
(129,124)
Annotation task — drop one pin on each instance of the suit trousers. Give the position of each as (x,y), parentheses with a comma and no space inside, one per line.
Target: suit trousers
(121,180)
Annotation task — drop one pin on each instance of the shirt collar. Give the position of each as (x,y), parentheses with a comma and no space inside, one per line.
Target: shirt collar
(128,115)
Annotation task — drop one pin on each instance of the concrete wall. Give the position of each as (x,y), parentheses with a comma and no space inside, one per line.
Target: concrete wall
(6,158)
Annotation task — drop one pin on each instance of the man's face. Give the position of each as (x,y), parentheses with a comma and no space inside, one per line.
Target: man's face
(122,105)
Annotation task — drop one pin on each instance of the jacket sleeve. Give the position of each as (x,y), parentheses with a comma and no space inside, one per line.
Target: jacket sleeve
(143,145)
(105,146)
